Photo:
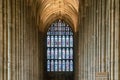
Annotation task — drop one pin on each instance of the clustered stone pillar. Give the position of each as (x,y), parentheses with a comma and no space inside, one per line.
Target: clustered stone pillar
(99,39)
(1,41)
(20,42)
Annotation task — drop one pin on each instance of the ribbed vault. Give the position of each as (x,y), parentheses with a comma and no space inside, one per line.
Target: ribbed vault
(48,11)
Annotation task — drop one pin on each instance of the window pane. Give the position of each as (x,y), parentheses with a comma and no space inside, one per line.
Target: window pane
(48,53)
(63,65)
(52,41)
(56,65)
(67,65)
(63,41)
(59,65)
(71,53)
(67,53)
(48,65)
(71,41)
(52,65)
(52,53)
(56,53)
(71,65)
(56,41)
(67,41)
(48,41)
(63,53)
(59,41)
(59,53)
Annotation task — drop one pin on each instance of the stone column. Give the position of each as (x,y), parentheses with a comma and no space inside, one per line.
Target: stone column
(1,40)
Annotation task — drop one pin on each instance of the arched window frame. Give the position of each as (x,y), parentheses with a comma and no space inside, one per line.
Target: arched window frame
(57,48)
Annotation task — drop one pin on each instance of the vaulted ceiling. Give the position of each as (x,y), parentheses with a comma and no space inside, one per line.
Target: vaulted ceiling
(48,11)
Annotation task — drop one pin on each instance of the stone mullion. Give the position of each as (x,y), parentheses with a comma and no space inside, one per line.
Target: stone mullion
(5,39)
(85,45)
(97,44)
(21,39)
(30,37)
(34,47)
(94,43)
(85,57)
(102,35)
(13,42)
(86,42)
(108,37)
(82,53)
(116,42)
(82,60)
(15,24)
(24,38)
(32,41)
(28,18)
(1,41)
(37,52)
(99,34)
(112,39)
(20,45)
(31,47)
(87,38)
(81,47)
(16,42)
(105,26)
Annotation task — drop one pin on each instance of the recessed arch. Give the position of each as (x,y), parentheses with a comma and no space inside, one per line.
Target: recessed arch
(53,18)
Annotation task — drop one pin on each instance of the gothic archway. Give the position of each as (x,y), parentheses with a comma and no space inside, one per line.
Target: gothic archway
(59,52)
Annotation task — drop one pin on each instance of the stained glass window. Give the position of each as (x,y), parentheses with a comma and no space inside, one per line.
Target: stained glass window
(59,47)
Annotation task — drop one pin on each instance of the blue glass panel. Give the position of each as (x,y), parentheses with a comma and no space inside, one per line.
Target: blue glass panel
(63,41)
(48,41)
(48,53)
(48,65)
(48,33)
(71,41)
(67,53)
(56,41)
(56,31)
(71,65)
(59,65)
(52,30)
(56,65)
(59,41)
(63,65)
(63,53)
(67,41)
(52,41)
(67,65)
(63,30)
(59,53)
(52,65)
(52,53)
(56,53)
(71,53)
(71,33)
(67,30)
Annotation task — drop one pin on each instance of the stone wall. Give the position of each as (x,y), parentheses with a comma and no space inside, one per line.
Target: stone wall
(20,41)
(99,38)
